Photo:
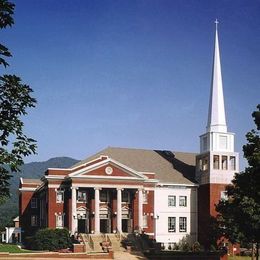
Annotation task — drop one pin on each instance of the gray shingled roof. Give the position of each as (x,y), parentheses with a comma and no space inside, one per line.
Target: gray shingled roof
(168,166)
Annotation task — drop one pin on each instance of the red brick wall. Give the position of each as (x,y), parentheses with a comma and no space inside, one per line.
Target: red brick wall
(148,209)
(101,171)
(25,212)
(208,196)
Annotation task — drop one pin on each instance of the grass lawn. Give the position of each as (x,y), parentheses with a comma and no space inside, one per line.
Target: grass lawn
(12,249)
(239,258)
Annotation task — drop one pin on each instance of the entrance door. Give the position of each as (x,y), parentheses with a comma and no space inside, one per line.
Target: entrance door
(125,225)
(82,225)
(105,226)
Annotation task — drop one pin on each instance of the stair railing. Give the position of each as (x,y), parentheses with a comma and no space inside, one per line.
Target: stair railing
(90,241)
(118,235)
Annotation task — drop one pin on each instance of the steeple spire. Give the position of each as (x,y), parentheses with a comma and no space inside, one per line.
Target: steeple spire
(216,116)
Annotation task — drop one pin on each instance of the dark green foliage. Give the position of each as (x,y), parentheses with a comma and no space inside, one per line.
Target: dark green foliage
(15,100)
(196,247)
(9,210)
(239,218)
(6,19)
(50,239)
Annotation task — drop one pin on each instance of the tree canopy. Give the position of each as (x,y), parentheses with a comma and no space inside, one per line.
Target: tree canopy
(15,100)
(239,218)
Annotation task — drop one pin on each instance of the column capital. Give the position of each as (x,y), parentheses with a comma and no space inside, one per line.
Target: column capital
(97,188)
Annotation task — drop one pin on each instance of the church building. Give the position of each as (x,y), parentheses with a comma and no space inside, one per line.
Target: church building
(168,195)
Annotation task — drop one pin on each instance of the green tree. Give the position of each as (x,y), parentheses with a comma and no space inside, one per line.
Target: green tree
(239,218)
(15,100)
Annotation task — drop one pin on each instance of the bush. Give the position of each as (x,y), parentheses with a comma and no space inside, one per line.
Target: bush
(50,239)
(196,247)
(184,246)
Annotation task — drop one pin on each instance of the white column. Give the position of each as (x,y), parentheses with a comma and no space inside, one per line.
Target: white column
(140,209)
(97,221)
(6,235)
(73,210)
(119,210)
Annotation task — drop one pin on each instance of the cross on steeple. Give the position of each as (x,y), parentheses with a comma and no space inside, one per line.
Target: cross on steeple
(216,22)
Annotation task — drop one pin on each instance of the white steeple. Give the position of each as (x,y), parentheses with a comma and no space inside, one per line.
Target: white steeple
(217,161)
(216,116)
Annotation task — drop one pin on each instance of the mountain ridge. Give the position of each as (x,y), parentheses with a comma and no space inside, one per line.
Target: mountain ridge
(34,170)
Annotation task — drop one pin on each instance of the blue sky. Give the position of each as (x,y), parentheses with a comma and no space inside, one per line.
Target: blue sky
(132,73)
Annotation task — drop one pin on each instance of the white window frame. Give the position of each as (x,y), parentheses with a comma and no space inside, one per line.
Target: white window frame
(34,203)
(34,220)
(182,224)
(145,221)
(232,160)
(171,198)
(62,220)
(224,162)
(223,195)
(145,197)
(126,194)
(171,224)
(181,199)
(79,197)
(62,196)
(107,196)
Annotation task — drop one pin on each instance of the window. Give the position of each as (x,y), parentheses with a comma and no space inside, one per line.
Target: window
(145,197)
(104,196)
(216,162)
(223,195)
(223,142)
(171,224)
(183,201)
(224,162)
(59,196)
(59,221)
(205,143)
(34,221)
(34,203)
(145,221)
(125,197)
(232,163)
(171,201)
(203,164)
(183,224)
(82,196)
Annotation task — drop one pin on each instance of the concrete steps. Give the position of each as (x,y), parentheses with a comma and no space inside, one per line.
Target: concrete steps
(92,242)
(115,242)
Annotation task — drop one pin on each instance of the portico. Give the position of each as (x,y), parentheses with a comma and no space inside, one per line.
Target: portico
(106,210)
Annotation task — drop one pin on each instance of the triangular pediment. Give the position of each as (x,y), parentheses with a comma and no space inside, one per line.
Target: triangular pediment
(108,169)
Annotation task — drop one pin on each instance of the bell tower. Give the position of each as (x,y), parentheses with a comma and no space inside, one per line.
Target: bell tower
(217,162)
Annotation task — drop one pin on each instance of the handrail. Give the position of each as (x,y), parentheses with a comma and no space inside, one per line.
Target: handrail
(108,240)
(83,240)
(118,235)
(91,242)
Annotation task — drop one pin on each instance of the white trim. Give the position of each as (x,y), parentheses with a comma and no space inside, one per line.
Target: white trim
(56,177)
(27,189)
(152,173)
(106,162)
(59,169)
(82,165)
(21,180)
(107,177)
(53,185)
(176,184)
(100,186)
